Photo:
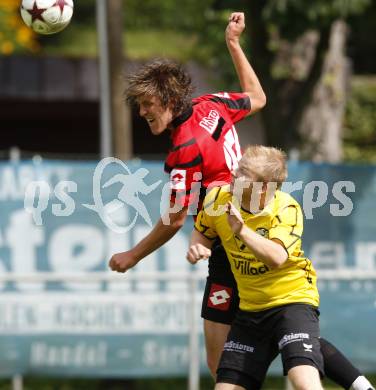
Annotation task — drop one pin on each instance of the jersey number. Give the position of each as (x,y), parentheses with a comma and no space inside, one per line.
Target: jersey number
(231,149)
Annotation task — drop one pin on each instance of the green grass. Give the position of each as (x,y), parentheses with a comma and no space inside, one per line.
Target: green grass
(146,44)
(137,45)
(271,383)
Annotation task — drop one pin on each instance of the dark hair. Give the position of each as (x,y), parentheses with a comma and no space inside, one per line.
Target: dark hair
(164,79)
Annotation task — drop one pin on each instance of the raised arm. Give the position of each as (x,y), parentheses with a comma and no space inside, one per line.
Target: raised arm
(160,234)
(248,79)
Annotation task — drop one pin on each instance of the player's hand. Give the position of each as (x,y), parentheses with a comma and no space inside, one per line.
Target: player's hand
(234,218)
(122,262)
(197,252)
(235,27)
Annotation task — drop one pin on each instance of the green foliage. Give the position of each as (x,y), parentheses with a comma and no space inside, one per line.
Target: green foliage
(138,44)
(168,14)
(76,41)
(362,42)
(144,44)
(294,17)
(79,38)
(15,36)
(194,30)
(152,14)
(166,28)
(360,121)
(281,19)
(84,12)
(273,25)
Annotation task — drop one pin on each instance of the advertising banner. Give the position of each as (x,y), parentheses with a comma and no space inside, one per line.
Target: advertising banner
(65,218)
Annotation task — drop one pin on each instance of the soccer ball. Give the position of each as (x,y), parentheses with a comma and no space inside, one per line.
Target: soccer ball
(47,16)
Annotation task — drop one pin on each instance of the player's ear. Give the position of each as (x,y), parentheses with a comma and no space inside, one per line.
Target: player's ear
(172,107)
(175,107)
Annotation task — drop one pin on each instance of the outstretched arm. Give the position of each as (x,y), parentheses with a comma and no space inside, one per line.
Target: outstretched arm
(248,79)
(160,234)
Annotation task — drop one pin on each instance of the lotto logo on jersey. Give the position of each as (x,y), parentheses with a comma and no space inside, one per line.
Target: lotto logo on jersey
(177,179)
(219,297)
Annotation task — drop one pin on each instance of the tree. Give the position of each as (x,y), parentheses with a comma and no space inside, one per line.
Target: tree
(288,43)
(120,113)
(360,121)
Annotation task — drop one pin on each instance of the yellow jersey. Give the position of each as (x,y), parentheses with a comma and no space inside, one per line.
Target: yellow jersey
(259,286)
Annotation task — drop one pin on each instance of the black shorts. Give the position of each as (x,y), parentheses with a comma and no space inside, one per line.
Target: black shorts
(221,300)
(256,338)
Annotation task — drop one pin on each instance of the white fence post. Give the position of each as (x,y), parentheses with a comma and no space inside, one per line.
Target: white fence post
(17,382)
(194,349)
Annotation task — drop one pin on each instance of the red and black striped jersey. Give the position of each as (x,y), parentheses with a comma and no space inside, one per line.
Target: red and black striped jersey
(205,146)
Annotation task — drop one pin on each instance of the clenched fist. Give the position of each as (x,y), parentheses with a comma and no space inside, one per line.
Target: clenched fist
(197,252)
(122,262)
(235,27)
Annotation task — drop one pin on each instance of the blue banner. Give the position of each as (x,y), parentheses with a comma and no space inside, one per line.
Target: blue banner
(70,217)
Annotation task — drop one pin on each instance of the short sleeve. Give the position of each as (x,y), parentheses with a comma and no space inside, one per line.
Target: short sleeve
(236,104)
(204,225)
(287,227)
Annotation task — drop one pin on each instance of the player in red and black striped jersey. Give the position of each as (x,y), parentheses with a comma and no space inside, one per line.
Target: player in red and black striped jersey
(205,145)
(205,148)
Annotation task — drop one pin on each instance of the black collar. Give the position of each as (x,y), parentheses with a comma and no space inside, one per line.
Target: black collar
(180,119)
(246,211)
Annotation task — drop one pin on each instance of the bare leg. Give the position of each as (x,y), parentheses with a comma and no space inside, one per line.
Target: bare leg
(215,338)
(305,378)
(228,386)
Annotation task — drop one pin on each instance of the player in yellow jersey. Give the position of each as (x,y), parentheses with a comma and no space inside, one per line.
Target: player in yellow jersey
(260,228)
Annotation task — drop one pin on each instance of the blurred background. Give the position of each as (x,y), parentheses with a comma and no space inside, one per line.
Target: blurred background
(60,112)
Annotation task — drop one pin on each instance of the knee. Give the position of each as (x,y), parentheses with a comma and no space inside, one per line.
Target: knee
(305,378)
(298,385)
(306,386)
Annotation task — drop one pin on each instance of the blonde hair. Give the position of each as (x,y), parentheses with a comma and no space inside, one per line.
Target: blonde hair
(265,164)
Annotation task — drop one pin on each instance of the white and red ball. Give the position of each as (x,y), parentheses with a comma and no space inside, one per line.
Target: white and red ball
(47,16)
